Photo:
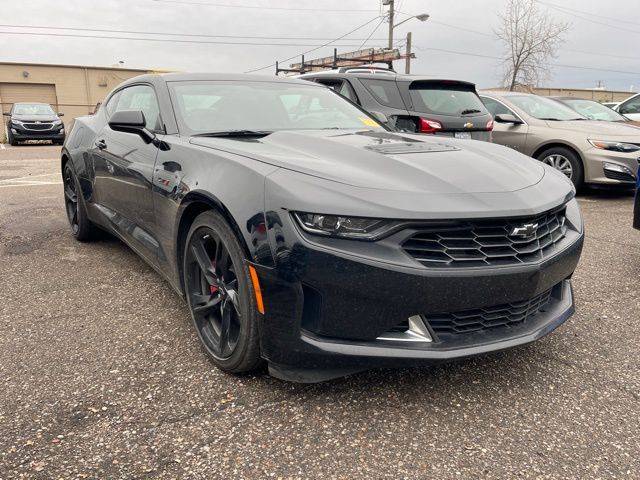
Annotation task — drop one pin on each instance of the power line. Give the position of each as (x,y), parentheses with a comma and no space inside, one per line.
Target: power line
(314,49)
(562,65)
(259,7)
(171,34)
(173,40)
(597,15)
(576,15)
(371,34)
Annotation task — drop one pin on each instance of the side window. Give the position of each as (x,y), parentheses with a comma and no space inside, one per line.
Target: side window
(111,105)
(346,90)
(140,97)
(384,91)
(632,106)
(496,108)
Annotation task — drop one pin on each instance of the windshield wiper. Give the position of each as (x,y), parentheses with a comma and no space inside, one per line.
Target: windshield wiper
(470,110)
(235,133)
(551,119)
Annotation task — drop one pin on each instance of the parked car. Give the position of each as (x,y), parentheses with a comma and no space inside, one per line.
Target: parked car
(630,108)
(302,232)
(585,151)
(34,121)
(595,111)
(412,103)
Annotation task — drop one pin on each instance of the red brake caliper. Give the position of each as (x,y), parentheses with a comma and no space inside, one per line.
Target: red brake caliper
(212,288)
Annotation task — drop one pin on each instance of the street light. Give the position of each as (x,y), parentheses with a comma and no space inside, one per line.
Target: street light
(423,17)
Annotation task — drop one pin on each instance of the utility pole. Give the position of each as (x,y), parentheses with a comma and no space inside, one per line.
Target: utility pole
(407,67)
(391,4)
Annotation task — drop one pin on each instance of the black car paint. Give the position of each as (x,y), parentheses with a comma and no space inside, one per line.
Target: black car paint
(146,195)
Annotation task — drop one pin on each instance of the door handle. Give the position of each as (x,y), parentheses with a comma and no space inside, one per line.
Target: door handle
(101,144)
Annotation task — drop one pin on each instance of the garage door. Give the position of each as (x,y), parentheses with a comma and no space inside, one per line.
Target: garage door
(11,93)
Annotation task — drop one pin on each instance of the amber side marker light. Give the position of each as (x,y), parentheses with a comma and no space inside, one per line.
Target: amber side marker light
(256,288)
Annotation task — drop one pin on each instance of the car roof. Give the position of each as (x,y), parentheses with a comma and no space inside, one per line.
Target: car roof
(236,77)
(573,98)
(31,103)
(505,93)
(398,77)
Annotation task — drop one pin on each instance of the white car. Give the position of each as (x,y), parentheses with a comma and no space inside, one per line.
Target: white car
(630,108)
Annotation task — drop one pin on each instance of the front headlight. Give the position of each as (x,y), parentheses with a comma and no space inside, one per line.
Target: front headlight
(573,215)
(356,228)
(57,122)
(17,122)
(615,146)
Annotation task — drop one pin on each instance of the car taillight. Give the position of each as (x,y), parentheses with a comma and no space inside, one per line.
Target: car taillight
(489,126)
(429,126)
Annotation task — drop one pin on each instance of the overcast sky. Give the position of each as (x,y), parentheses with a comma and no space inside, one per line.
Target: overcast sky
(599,39)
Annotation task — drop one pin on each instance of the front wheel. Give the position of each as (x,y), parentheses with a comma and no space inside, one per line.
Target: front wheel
(220,294)
(12,141)
(81,226)
(565,161)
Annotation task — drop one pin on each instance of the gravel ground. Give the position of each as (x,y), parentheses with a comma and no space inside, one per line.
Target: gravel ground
(102,376)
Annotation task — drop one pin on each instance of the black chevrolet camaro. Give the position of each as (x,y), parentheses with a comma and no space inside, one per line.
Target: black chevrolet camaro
(303,233)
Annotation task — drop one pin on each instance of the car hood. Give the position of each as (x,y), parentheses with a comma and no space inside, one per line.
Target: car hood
(388,161)
(599,130)
(35,118)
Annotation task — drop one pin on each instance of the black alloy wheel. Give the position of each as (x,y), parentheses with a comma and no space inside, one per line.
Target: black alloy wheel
(81,226)
(220,294)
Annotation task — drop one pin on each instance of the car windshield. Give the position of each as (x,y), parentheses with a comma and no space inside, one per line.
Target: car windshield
(445,99)
(544,108)
(32,109)
(218,106)
(594,110)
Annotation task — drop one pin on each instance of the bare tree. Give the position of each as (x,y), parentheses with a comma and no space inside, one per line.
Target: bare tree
(531,38)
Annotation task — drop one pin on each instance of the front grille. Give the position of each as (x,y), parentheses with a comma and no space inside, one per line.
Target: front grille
(622,176)
(38,126)
(476,243)
(506,315)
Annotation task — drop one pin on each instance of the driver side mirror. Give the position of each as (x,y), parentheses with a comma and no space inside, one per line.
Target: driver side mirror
(60,114)
(131,121)
(6,114)
(508,118)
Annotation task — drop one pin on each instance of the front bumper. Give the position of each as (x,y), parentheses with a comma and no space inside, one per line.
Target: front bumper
(22,134)
(611,168)
(325,310)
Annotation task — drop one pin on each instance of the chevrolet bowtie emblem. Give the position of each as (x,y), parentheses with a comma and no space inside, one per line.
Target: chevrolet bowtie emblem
(526,230)
(468,125)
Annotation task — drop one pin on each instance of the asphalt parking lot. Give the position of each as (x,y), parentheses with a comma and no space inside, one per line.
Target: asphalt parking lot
(102,376)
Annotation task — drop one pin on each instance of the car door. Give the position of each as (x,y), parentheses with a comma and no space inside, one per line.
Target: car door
(507,134)
(631,108)
(124,165)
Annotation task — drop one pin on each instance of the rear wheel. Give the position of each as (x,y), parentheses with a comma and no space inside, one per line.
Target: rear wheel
(81,226)
(565,161)
(220,294)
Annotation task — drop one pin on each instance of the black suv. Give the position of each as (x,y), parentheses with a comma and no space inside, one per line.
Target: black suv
(34,121)
(411,102)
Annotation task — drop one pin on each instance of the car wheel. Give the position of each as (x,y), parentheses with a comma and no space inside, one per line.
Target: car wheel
(565,161)
(220,294)
(81,227)
(12,141)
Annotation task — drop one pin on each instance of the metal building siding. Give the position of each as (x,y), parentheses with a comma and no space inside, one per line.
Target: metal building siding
(11,93)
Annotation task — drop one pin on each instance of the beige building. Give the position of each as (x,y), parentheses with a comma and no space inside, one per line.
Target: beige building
(597,94)
(72,90)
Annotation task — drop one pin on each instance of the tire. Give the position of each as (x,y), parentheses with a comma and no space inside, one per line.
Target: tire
(12,141)
(81,227)
(220,294)
(566,161)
